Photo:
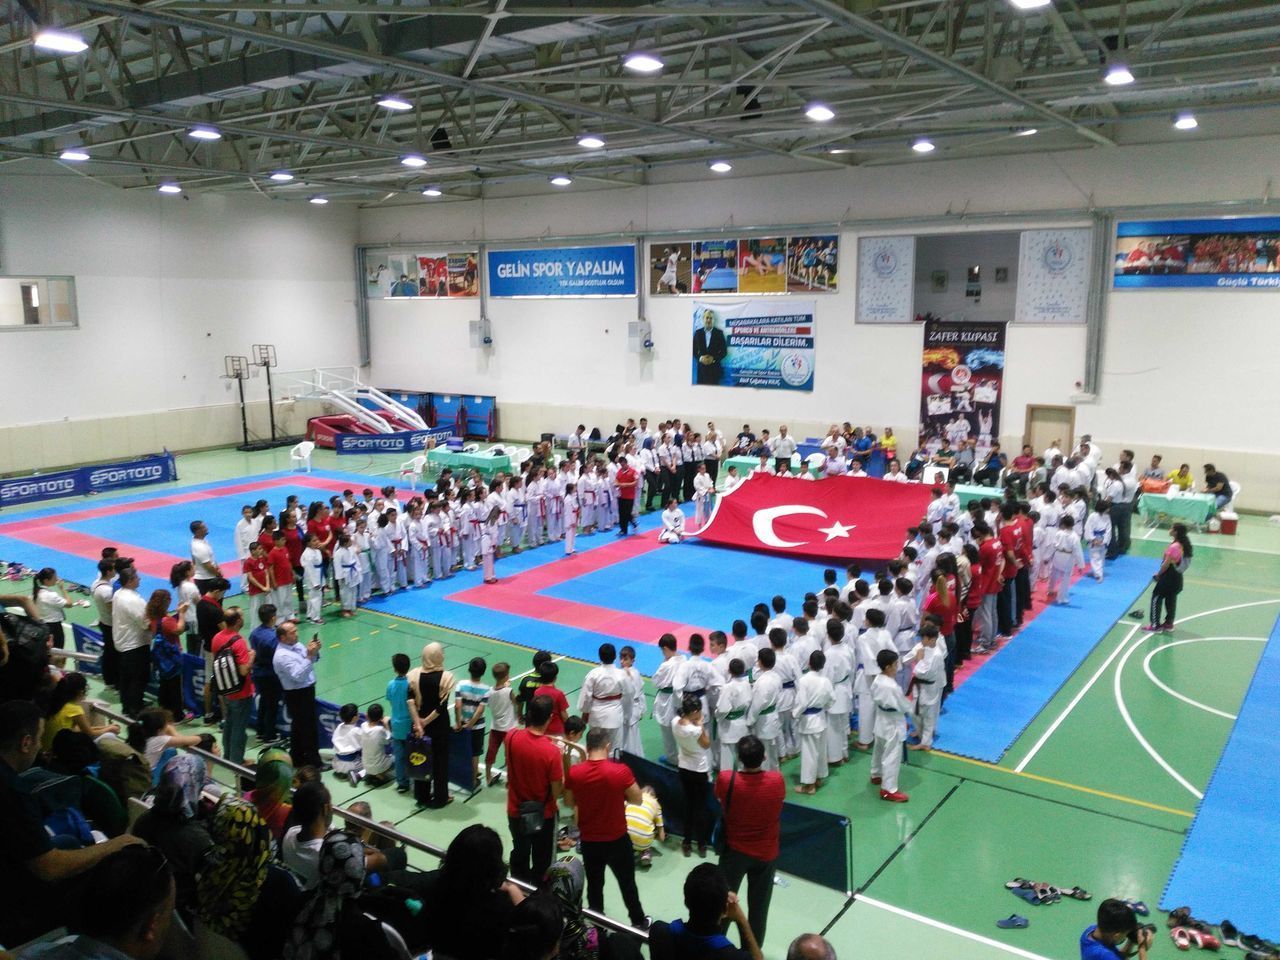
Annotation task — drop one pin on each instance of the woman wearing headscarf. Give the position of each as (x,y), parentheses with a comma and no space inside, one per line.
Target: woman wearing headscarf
(272,789)
(331,924)
(430,687)
(240,894)
(173,826)
(566,880)
(469,898)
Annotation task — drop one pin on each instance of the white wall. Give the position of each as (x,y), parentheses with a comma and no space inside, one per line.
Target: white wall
(1179,372)
(165,287)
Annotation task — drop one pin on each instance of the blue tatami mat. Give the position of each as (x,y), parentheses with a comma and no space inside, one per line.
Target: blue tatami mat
(1231,856)
(992,708)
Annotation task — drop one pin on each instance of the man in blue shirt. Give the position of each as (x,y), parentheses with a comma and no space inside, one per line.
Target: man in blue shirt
(294,665)
(1115,935)
(263,643)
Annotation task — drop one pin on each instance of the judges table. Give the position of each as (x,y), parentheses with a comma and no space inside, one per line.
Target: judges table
(746,464)
(1194,508)
(486,464)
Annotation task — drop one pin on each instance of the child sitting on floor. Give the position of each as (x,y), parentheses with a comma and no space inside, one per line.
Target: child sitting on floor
(644,825)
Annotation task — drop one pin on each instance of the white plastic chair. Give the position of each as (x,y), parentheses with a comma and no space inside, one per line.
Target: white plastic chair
(471,448)
(302,454)
(519,455)
(1235,492)
(413,470)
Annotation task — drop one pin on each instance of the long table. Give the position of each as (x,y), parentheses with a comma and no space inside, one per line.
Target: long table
(487,465)
(746,464)
(1194,508)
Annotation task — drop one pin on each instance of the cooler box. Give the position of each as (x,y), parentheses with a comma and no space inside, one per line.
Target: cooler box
(1229,521)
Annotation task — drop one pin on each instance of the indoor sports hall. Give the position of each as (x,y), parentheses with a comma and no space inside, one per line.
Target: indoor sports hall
(980,298)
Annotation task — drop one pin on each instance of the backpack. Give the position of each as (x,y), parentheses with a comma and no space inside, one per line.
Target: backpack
(166,657)
(226,677)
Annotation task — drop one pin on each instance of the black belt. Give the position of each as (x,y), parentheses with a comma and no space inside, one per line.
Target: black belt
(696,693)
(788,685)
(810,711)
(926,682)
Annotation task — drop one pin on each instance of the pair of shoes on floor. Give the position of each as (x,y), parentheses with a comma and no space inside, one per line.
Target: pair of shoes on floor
(1184,938)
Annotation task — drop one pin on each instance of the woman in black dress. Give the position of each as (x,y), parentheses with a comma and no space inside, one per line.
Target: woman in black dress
(431,687)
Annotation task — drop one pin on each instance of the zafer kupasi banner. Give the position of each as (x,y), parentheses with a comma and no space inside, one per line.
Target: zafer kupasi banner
(962,383)
(563,272)
(755,343)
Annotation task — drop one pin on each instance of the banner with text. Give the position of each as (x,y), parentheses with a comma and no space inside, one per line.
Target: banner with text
(408,441)
(886,279)
(399,275)
(961,384)
(84,481)
(756,343)
(1053,276)
(563,272)
(1229,253)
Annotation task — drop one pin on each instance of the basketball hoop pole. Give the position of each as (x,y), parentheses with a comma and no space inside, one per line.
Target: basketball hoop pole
(237,368)
(265,356)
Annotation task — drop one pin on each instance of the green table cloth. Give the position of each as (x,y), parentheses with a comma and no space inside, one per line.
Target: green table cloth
(1192,507)
(487,465)
(746,464)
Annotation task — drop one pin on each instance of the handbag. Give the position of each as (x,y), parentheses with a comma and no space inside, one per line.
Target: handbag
(417,755)
(721,842)
(530,814)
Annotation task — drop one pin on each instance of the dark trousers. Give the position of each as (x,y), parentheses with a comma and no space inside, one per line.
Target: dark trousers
(135,671)
(1166,593)
(670,486)
(436,793)
(759,876)
(950,662)
(531,855)
(304,734)
(269,693)
(652,488)
(170,696)
(618,856)
(1005,602)
(1022,585)
(697,825)
(987,477)
(687,473)
(964,638)
(626,507)
(1122,522)
(298,574)
(110,658)
(713,468)
(203,585)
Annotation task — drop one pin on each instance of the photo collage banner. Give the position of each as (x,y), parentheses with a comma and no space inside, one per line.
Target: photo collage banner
(766,344)
(962,381)
(400,275)
(745,265)
(1239,253)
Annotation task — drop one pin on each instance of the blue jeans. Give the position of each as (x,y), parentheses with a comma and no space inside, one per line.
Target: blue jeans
(235,727)
(398,753)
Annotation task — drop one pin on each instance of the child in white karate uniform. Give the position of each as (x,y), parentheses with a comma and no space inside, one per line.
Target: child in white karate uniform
(764,717)
(871,643)
(636,706)
(664,699)
(398,531)
(360,540)
(473,511)
(787,670)
(442,543)
(929,660)
(704,491)
(1097,531)
(731,481)
(491,543)
(570,518)
(418,549)
(732,704)
(839,669)
(813,696)
(1067,557)
(606,500)
(892,711)
(587,500)
(672,524)
(380,548)
(313,577)
(346,573)
(517,513)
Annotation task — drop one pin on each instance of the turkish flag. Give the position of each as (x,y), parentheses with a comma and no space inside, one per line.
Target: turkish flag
(841,518)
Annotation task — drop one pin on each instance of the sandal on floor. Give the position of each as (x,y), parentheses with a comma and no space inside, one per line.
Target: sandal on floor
(1137,906)
(1079,893)
(1027,894)
(1017,883)
(1013,922)
(1178,916)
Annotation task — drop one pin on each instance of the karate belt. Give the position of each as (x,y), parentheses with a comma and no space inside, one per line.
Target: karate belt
(810,711)
(347,757)
(736,714)
(788,685)
(524,511)
(763,713)
(615,696)
(666,689)
(697,693)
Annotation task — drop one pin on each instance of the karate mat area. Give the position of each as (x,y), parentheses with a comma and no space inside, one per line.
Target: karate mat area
(1099,790)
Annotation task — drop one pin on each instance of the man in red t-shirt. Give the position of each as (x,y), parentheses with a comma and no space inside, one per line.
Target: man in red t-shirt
(751,825)
(535,774)
(1011,544)
(601,790)
(235,706)
(991,559)
(628,481)
(1026,557)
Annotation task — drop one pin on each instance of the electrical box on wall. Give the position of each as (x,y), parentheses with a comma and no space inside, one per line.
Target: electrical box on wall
(481,334)
(639,336)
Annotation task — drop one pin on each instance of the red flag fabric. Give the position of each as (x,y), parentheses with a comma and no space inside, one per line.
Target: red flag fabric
(844,518)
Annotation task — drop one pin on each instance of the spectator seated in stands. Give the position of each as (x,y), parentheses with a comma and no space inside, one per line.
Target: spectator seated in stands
(535,930)
(965,461)
(131,922)
(469,899)
(1019,472)
(272,791)
(988,474)
(710,906)
(174,824)
(69,771)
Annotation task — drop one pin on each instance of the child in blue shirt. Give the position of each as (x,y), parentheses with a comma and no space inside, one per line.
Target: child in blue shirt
(1116,935)
(401,722)
(263,643)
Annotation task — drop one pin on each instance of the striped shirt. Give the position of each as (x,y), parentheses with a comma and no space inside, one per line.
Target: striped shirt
(643,820)
(472,695)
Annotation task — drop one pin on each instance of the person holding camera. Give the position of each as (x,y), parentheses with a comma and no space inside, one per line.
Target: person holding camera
(711,905)
(1116,934)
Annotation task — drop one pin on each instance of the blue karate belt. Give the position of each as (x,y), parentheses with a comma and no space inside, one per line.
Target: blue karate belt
(810,711)
(788,685)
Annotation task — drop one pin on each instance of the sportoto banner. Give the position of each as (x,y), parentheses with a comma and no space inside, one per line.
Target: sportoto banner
(83,481)
(839,518)
(1235,254)
(756,343)
(563,272)
(408,441)
(961,383)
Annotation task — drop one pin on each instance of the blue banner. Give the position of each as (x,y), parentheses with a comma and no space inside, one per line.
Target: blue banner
(410,441)
(1240,253)
(83,481)
(564,272)
(766,344)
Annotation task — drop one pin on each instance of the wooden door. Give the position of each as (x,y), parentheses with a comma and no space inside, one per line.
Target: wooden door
(1047,423)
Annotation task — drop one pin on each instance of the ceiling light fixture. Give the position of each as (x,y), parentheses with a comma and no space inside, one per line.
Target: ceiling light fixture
(59,41)
(819,112)
(169,188)
(643,63)
(1118,75)
(923,145)
(720,166)
(561,180)
(432,192)
(392,102)
(282,176)
(73,155)
(1026,132)
(590,141)
(1030,4)
(413,160)
(318,201)
(837,151)
(1186,121)
(204,133)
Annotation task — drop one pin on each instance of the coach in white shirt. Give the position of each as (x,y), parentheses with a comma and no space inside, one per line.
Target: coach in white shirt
(131,632)
(207,569)
(784,446)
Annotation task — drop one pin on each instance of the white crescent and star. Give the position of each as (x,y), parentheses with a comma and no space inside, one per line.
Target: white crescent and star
(763,521)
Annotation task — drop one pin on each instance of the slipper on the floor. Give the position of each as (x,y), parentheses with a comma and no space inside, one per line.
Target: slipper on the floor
(1079,893)
(1027,894)
(1137,615)
(1137,906)
(1177,917)
(1017,883)
(1013,922)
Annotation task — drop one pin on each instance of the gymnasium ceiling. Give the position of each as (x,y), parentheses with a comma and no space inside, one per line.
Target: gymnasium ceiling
(501,91)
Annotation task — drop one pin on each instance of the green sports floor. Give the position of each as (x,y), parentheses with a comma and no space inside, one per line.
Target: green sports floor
(1098,792)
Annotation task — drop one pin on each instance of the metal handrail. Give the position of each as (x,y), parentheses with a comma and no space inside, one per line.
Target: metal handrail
(390,833)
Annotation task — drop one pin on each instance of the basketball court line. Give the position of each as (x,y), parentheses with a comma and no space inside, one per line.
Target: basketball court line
(948,928)
(1146,668)
(1075,701)
(1214,546)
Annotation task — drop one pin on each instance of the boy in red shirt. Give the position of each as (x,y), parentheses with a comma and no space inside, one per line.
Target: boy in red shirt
(991,559)
(282,577)
(235,706)
(257,573)
(547,673)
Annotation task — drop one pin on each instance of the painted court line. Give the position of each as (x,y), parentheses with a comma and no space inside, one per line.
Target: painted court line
(1075,701)
(948,928)
(1146,668)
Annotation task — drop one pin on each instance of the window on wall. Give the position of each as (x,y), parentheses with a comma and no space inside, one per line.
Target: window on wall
(37,303)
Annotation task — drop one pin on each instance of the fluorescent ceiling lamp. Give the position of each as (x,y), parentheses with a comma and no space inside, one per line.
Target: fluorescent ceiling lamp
(413,160)
(561,180)
(169,188)
(204,133)
(392,102)
(643,63)
(282,176)
(923,145)
(720,166)
(1186,121)
(59,41)
(836,151)
(1118,75)
(320,201)
(590,141)
(75,155)
(819,112)
(432,192)
(1026,132)
(1030,4)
